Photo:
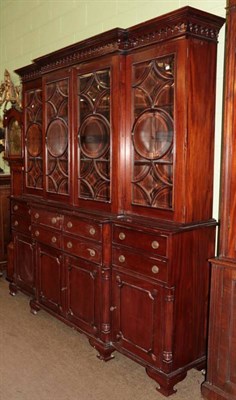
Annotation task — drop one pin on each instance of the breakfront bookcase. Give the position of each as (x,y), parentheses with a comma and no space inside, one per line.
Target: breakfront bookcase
(113,228)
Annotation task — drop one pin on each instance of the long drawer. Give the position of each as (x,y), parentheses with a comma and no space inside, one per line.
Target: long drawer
(77,226)
(154,243)
(46,236)
(139,263)
(83,248)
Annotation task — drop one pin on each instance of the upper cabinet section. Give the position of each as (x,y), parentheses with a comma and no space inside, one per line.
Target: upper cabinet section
(120,122)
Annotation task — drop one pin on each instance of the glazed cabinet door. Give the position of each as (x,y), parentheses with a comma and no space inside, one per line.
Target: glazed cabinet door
(137,318)
(57,127)
(99,133)
(24,263)
(33,139)
(49,277)
(82,294)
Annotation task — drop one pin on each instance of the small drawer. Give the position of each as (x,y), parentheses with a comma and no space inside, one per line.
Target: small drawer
(46,236)
(86,228)
(21,224)
(18,207)
(81,248)
(47,218)
(156,244)
(148,266)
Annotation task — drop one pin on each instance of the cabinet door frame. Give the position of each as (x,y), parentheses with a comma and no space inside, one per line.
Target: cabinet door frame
(27,286)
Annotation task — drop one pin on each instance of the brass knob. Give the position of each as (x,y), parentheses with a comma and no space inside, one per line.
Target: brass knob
(155,244)
(155,269)
(122,236)
(15,208)
(54,239)
(54,220)
(69,245)
(69,224)
(16,223)
(36,233)
(122,259)
(36,215)
(92,231)
(91,252)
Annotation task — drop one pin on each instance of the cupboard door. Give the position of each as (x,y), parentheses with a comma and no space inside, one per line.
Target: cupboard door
(137,317)
(221,374)
(33,139)
(57,134)
(82,294)
(24,263)
(50,282)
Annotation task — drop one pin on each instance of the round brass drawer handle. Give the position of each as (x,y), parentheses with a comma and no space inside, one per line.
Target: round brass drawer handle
(155,269)
(15,208)
(92,231)
(121,235)
(54,239)
(155,244)
(36,233)
(122,258)
(16,223)
(91,252)
(36,216)
(69,224)
(54,220)
(69,245)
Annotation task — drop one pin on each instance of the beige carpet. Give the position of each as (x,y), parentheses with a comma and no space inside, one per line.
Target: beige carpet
(43,359)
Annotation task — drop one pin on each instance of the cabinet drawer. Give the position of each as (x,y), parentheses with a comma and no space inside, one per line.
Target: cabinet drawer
(51,238)
(46,218)
(156,244)
(21,224)
(82,248)
(81,227)
(148,266)
(18,207)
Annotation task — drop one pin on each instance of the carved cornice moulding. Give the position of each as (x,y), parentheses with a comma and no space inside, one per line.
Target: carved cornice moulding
(186,21)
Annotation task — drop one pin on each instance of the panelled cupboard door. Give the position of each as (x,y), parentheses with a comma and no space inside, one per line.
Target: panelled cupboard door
(221,374)
(164,132)
(49,277)
(57,107)
(137,317)
(81,285)
(33,138)
(99,129)
(24,259)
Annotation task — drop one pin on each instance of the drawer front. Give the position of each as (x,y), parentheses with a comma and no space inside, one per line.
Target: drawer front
(77,226)
(21,224)
(156,244)
(81,248)
(46,218)
(51,238)
(18,207)
(148,266)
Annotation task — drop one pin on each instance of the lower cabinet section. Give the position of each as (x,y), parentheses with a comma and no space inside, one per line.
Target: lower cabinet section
(133,287)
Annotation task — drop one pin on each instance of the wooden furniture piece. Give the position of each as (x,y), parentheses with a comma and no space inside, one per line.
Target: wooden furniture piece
(4,219)
(221,374)
(113,229)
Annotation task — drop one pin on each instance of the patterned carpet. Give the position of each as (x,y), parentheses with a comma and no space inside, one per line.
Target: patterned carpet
(43,359)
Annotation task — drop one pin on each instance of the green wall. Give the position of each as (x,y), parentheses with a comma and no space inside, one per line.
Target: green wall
(32,28)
